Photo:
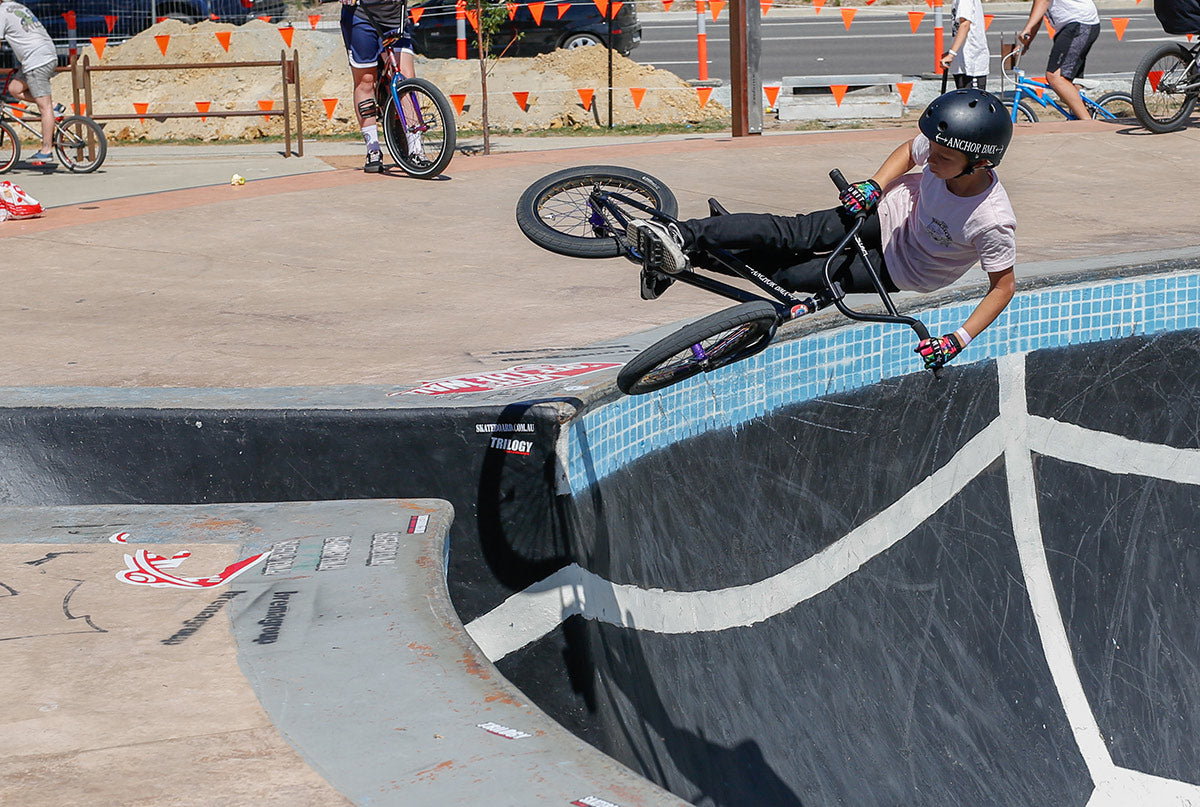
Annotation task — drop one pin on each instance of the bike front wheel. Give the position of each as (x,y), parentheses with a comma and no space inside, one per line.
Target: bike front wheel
(701,347)
(80,144)
(421,134)
(10,147)
(1113,107)
(1162,101)
(557,212)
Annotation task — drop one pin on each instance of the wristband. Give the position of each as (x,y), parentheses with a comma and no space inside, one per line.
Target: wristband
(963,337)
(952,52)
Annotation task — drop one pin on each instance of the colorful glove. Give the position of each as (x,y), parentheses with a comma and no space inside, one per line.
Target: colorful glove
(861,197)
(937,351)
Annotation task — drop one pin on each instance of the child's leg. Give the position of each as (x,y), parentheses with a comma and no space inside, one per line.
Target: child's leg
(804,233)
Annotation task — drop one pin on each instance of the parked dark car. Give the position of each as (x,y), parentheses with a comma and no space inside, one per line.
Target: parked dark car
(580,25)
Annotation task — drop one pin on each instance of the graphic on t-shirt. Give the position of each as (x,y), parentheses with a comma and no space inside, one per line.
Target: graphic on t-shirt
(939,231)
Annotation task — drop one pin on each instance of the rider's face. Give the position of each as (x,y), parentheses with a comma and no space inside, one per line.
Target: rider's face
(946,163)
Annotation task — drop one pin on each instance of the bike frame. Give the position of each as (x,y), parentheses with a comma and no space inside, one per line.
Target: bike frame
(389,65)
(1194,86)
(1034,90)
(789,303)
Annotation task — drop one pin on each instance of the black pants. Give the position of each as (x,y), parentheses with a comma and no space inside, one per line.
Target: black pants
(792,250)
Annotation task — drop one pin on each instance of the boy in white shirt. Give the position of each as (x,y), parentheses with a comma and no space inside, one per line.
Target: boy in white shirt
(1077,25)
(34,50)
(967,59)
(923,231)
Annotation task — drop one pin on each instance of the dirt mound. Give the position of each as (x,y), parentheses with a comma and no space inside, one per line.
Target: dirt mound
(553,82)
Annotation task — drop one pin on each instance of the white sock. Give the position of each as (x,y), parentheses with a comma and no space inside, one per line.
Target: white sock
(414,143)
(371,137)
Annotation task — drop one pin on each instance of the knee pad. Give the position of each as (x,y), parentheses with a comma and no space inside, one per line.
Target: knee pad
(368,109)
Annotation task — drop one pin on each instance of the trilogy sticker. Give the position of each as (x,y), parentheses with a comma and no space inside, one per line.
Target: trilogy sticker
(511,445)
(523,375)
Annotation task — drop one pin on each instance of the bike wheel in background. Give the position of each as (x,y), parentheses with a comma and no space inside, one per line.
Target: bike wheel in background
(10,147)
(1159,102)
(555,212)
(80,144)
(1117,104)
(714,341)
(422,139)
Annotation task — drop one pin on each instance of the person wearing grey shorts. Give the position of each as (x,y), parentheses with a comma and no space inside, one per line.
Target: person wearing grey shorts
(1078,24)
(34,50)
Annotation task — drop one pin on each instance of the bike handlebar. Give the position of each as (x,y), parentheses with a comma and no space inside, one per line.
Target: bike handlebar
(852,236)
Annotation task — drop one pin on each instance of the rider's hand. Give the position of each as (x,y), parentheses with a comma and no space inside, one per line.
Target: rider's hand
(937,351)
(861,197)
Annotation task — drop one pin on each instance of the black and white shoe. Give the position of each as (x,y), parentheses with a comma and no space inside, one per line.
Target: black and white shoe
(374,163)
(660,245)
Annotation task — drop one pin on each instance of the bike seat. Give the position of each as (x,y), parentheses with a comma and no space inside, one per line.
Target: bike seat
(715,208)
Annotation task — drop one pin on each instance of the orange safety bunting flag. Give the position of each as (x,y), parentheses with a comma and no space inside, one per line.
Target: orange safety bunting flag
(638,94)
(415,12)
(163,40)
(818,5)
(81,109)
(203,106)
(987,21)
(848,16)
(223,38)
(615,8)
(667,4)
(702,93)
(458,99)
(512,10)
(18,109)
(585,97)
(562,9)
(522,100)
(286,32)
(98,44)
(715,6)
(905,89)
(140,108)
(110,21)
(772,93)
(1154,76)
(313,19)
(1050,32)
(1119,24)
(839,92)
(473,18)
(914,19)
(330,105)
(603,6)
(764,6)
(536,9)
(266,105)
(162,19)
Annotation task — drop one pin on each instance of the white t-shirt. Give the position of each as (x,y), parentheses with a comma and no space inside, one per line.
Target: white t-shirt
(27,37)
(932,237)
(1062,12)
(972,58)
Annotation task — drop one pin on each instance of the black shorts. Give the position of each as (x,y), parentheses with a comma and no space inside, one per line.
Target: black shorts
(1068,54)
(963,81)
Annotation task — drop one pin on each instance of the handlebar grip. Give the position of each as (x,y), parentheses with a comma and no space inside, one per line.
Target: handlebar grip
(839,180)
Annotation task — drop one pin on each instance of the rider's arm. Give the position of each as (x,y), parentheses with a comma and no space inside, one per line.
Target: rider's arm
(898,163)
(1002,287)
(1040,7)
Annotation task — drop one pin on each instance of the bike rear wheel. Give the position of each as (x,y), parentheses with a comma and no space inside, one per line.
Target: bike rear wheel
(1158,102)
(80,144)
(1117,104)
(10,147)
(714,341)
(556,212)
(422,141)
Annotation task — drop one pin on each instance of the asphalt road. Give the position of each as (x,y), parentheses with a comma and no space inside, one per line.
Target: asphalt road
(878,41)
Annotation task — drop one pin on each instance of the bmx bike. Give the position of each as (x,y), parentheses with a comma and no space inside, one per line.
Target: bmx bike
(584,212)
(1165,86)
(417,121)
(79,142)
(1114,107)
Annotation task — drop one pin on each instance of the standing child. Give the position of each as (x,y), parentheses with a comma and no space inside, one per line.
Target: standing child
(967,59)
(923,230)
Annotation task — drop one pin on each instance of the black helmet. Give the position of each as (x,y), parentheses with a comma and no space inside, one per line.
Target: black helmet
(971,121)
